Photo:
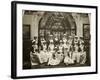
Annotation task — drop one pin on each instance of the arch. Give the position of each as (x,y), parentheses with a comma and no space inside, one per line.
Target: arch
(57,21)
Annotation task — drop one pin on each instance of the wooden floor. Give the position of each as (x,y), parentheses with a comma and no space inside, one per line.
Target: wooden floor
(62,65)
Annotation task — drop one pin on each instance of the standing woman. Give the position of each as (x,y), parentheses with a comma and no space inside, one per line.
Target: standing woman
(81,41)
(64,39)
(60,51)
(82,54)
(76,54)
(61,47)
(71,43)
(50,50)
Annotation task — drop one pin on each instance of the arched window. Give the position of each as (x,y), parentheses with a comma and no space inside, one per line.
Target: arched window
(57,24)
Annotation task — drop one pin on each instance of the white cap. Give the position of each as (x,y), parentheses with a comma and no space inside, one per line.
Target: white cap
(50,35)
(51,40)
(61,41)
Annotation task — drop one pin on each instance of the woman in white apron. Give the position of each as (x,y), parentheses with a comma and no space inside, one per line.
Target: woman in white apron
(67,54)
(50,51)
(67,59)
(54,59)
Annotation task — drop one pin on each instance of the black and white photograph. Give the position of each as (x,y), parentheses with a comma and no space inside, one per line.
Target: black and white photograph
(53,39)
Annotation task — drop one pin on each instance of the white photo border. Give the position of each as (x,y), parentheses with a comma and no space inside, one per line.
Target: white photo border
(18,72)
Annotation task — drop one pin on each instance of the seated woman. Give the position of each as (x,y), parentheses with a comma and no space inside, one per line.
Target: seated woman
(54,59)
(43,58)
(67,60)
(34,58)
(82,54)
(33,54)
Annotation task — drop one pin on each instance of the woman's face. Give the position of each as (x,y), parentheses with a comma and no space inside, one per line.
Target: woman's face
(76,47)
(76,39)
(61,43)
(66,50)
(44,48)
(33,46)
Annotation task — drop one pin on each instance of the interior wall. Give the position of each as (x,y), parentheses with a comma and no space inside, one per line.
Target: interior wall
(80,20)
(33,21)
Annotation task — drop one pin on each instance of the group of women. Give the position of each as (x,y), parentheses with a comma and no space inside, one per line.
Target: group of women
(68,50)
